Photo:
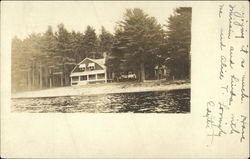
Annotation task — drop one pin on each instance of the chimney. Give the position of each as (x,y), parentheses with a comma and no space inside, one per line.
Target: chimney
(104,55)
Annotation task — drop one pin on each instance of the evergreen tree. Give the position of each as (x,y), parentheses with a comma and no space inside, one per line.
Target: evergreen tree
(115,60)
(49,48)
(18,69)
(106,41)
(90,43)
(141,37)
(138,44)
(77,46)
(64,54)
(178,42)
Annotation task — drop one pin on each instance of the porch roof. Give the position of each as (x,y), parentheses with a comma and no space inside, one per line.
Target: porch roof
(86,73)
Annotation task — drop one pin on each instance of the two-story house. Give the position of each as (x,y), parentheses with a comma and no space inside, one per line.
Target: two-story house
(89,71)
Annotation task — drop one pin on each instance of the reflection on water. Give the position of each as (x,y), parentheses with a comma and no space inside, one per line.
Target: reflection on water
(176,101)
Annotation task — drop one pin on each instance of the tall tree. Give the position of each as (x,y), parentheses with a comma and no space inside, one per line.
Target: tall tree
(18,69)
(106,41)
(90,43)
(141,37)
(24,54)
(115,60)
(178,42)
(49,48)
(64,54)
(33,53)
(77,46)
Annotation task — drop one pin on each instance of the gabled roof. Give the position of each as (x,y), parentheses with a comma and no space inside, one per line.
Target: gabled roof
(100,62)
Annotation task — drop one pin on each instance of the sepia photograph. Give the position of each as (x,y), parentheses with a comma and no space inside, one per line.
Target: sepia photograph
(124,79)
(130,61)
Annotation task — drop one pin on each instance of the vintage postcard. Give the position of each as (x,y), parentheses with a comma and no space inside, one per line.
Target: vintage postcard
(124,79)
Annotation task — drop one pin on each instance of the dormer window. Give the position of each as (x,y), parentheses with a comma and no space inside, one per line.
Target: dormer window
(82,67)
(91,66)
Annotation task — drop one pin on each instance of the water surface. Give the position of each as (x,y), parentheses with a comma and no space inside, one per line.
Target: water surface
(175,101)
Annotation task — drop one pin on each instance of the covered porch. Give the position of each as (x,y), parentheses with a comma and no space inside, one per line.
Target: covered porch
(82,78)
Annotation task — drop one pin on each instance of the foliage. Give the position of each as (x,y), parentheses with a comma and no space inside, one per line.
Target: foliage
(139,44)
(106,40)
(179,41)
(90,43)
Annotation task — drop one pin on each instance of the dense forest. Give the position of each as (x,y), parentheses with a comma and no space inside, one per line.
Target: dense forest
(138,44)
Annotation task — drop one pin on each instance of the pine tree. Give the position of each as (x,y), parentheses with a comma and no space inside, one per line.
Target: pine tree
(106,40)
(77,46)
(49,47)
(140,40)
(64,54)
(178,42)
(18,69)
(90,43)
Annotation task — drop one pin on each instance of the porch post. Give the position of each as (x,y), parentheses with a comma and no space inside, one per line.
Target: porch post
(105,74)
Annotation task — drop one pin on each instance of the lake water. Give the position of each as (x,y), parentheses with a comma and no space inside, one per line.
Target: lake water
(175,101)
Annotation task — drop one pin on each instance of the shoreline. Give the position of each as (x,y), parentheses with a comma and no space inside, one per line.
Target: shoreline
(107,88)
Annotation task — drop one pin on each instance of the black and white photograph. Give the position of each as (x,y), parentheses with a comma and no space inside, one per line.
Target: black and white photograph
(132,58)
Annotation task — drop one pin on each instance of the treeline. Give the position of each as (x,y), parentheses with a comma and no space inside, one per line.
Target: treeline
(139,44)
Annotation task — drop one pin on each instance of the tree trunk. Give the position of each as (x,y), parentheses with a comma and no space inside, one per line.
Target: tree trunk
(28,80)
(33,74)
(46,76)
(41,77)
(138,75)
(50,81)
(142,72)
(66,77)
(62,79)
(65,80)
(50,77)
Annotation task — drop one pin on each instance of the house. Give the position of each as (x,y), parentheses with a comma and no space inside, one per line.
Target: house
(161,72)
(89,71)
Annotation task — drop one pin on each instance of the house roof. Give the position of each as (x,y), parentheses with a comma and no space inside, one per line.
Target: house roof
(100,62)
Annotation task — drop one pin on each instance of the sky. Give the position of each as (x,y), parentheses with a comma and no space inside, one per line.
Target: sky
(24,18)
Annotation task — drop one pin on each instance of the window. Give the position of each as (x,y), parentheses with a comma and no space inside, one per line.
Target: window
(75,78)
(83,78)
(91,66)
(92,77)
(100,76)
(82,67)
